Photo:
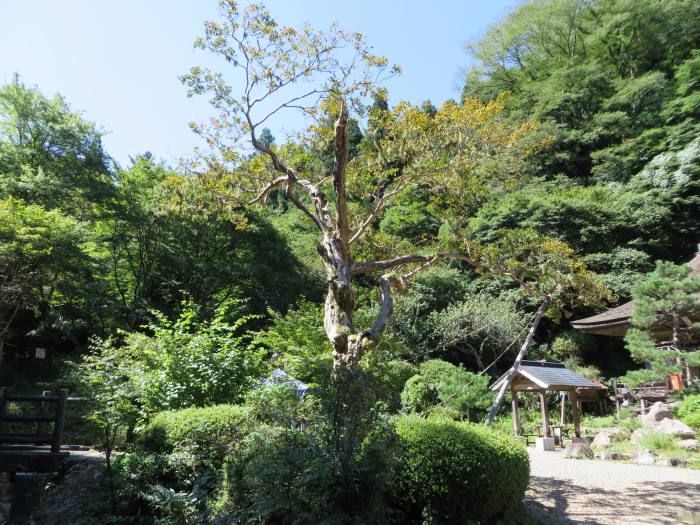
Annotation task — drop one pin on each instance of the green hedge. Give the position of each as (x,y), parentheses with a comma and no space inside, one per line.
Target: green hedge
(450,472)
(208,432)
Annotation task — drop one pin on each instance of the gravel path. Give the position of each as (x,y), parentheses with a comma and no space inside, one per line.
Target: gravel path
(571,491)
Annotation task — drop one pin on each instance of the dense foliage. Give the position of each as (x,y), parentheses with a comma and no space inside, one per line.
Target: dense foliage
(689,411)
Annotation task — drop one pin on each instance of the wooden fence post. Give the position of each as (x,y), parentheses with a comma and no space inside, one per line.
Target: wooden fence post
(545,413)
(60,420)
(575,413)
(43,427)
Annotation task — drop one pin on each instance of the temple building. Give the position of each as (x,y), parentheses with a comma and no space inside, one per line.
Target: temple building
(615,321)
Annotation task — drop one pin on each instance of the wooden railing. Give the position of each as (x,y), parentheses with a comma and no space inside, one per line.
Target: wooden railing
(42,419)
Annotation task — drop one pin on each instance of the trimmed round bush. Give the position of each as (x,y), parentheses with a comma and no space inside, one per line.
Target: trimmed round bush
(450,472)
(209,431)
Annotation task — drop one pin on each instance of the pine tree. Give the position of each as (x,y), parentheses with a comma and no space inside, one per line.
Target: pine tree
(666,300)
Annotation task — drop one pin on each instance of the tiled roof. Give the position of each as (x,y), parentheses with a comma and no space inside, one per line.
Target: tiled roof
(546,376)
(616,320)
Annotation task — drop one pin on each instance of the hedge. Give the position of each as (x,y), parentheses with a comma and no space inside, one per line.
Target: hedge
(451,472)
(208,431)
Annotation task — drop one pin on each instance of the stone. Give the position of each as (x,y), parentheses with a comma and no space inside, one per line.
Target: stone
(605,437)
(609,455)
(578,451)
(644,457)
(670,462)
(637,436)
(691,445)
(675,428)
(544,444)
(657,412)
(601,440)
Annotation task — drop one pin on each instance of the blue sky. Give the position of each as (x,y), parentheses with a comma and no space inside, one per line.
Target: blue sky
(118,60)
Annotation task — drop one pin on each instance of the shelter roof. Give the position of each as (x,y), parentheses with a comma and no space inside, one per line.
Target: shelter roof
(545,375)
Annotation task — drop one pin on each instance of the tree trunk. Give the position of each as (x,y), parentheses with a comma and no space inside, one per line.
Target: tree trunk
(521,354)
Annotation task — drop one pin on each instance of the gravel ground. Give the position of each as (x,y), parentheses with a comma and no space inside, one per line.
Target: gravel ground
(572,491)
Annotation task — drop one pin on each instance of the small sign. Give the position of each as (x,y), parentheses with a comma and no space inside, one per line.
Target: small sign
(40,353)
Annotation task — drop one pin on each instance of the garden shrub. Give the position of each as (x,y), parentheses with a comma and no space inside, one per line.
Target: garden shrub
(689,411)
(207,432)
(450,472)
(442,389)
(288,476)
(657,441)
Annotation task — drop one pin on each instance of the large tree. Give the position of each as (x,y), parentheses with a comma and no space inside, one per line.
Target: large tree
(456,154)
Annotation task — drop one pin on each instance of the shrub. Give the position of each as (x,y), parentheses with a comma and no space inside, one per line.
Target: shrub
(208,432)
(450,472)
(289,476)
(657,441)
(446,390)
(689,411)
(423,390)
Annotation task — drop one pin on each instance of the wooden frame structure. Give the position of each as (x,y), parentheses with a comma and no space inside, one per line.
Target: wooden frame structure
(22,451)
(543,377)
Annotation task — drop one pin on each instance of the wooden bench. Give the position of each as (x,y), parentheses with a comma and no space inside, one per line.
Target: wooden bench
(38,451)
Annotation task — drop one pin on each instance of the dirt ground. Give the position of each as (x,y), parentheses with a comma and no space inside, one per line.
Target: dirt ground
(570,491)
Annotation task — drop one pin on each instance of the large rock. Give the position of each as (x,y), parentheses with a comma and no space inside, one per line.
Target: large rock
(602,440)
(657,412)
(609,455)
(644,457)
(606,437)
(691,445)
(578,451)
(637,436)
(675,428)
(671,462)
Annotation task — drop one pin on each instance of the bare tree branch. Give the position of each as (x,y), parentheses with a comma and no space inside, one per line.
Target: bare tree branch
(339,172)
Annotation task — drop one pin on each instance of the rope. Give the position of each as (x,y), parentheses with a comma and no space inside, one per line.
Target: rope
(479,374)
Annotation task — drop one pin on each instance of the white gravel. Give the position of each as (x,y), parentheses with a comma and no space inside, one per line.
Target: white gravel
(575,491)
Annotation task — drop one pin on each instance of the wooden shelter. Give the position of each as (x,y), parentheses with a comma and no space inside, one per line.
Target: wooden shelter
(616,321)
(543,377)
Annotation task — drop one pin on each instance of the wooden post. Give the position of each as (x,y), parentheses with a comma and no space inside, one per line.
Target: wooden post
(60,420)
(562,418)
(43,427)
(643,406)
(545,413)
(516,363)
(575,413)
(516,412)
(4,392)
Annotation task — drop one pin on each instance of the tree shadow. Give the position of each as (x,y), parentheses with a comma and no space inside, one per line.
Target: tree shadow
(564,502)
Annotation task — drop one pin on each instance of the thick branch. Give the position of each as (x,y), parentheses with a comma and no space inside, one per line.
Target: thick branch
(359,268)
(380,324)
(339,171)
(265,192)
